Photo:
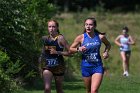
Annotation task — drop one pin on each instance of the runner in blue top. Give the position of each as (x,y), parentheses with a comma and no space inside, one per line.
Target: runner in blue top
(124,41)
(51,61)
(91,57)
(88,44)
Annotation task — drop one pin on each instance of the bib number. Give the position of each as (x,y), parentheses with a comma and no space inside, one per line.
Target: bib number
(91,57)
(51,62)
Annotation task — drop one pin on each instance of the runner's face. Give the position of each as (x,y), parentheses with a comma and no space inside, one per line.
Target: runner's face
(89,26)
(124,32)
(52,27)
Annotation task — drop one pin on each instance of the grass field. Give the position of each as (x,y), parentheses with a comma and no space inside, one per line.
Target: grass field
(71,24)
(110,84)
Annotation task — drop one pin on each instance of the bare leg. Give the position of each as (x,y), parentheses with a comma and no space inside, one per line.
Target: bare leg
(47,75)
(125,59)
(96,82)
(87,82)
(59,83)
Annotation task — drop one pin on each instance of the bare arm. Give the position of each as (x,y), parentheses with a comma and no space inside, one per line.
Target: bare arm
(63,42)
(66,46)
(107,46)
(131,41)
(75,45)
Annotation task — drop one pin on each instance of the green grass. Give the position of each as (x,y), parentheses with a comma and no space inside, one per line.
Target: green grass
(120,84)
(110,84)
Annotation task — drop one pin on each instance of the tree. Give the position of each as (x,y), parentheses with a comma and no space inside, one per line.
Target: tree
(22,22)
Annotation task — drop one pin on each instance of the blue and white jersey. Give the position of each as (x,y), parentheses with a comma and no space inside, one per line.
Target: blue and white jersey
(91,57)
(124,42)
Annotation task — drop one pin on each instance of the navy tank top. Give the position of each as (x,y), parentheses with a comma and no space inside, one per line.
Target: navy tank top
(52,60)
(91,57)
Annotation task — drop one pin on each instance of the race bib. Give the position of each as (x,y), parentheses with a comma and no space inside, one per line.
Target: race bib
(91,57)
(51,62)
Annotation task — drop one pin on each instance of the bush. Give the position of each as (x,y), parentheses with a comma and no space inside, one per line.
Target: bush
(7,84)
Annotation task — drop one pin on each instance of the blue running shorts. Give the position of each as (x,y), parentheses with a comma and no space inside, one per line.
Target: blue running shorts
(89,71)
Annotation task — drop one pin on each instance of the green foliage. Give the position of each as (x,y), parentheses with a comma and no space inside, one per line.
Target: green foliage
(7,85)
(12,27)
(14,32)
(14,68)
(73,67)
(22,25)
(39,11)
(7,66)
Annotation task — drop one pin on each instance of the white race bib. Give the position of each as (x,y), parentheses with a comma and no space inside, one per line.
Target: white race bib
(91,57)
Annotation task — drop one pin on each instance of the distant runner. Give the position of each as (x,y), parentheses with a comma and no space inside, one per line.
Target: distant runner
(124,41)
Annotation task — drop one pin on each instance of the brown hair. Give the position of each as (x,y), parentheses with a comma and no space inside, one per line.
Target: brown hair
(95,24)
(125,28)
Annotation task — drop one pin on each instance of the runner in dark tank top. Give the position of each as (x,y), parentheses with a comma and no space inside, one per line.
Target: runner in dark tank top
(51,61)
